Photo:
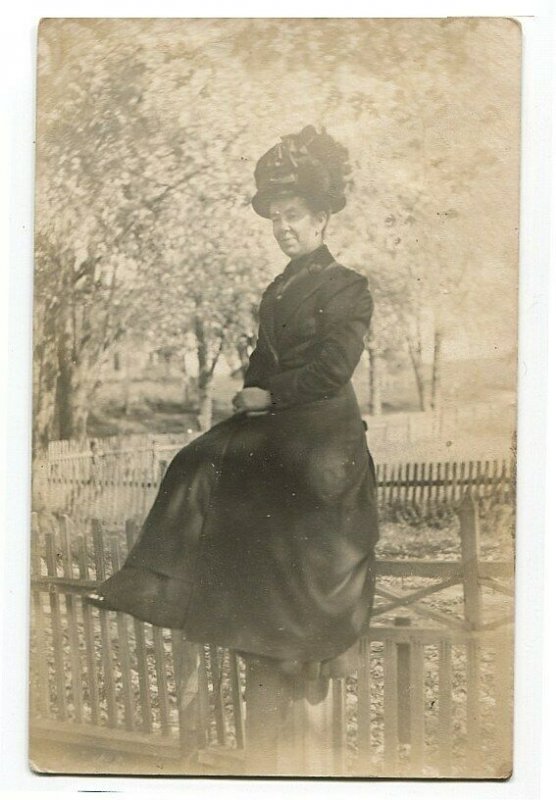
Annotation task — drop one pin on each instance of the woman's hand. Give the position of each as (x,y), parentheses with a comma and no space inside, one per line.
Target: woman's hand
(251,399)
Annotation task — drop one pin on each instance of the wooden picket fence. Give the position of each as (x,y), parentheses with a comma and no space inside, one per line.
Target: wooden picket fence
(117,484)
(431,693)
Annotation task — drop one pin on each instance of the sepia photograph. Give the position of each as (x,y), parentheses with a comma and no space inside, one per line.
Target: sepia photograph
(274,424)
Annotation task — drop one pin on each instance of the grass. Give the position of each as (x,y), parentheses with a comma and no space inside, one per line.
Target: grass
(155,398)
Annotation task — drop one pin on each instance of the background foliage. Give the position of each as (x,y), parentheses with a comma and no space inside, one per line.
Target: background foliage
(148,133)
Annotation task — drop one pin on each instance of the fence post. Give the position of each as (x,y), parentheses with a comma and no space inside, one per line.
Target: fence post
(469,534)
(403,677)
(267,694)
(186,670)
(288,723)
(105,627)
(42,695)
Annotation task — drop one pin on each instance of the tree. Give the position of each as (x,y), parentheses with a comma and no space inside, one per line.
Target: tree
(148,135)
(87,134)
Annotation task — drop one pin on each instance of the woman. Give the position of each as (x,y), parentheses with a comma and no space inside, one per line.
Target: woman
(262,535)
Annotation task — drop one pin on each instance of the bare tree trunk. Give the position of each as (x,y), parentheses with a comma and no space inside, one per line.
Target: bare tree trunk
(72,406)
(80,402)
(186,382)
(74,392)
(207,364)
(190,385)
(415,353)
(242,348)
(63,424)
(375,373)
(204,417)
(436,383)
(205,401)
(44,393)
(167,365)
(127,379)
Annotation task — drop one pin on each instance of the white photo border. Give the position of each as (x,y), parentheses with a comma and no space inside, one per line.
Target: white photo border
(536,524)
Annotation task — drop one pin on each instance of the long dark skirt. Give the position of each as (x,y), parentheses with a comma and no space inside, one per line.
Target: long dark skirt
(262,535)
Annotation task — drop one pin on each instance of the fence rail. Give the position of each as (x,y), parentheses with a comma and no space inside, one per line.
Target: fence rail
(412,705)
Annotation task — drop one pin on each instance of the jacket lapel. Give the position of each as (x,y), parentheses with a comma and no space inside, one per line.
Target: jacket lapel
(305,284)
(266,322)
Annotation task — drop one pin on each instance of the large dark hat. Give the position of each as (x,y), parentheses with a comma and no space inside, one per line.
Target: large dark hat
(310,164)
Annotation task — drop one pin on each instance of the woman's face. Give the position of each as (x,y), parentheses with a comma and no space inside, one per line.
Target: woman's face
(296,228)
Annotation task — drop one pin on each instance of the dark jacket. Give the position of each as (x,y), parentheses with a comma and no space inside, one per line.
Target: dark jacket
(310,340)
(262,535)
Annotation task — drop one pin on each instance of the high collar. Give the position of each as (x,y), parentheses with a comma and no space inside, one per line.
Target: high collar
(318,258)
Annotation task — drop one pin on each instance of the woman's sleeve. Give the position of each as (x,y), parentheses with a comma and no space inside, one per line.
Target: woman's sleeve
(344,317)
(256,373)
